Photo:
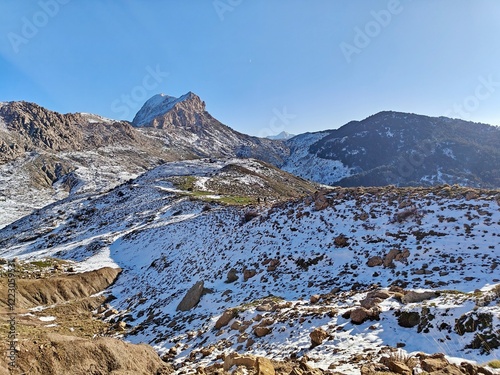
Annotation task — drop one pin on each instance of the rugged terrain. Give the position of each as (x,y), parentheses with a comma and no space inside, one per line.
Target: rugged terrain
(46,156)
(328,280)
(57,326)
(402,149)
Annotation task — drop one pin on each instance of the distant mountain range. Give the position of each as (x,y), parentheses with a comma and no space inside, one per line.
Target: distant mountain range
(57,154)
(392,148)
(281,136)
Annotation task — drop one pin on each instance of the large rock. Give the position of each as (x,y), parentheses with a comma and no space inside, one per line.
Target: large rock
(232,276)
(261,331)
(317,337)
(264,366)
(192,297)
(375,261)
(225,318)
(412,297)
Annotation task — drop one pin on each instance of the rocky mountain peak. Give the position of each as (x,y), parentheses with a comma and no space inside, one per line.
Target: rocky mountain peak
(162,110)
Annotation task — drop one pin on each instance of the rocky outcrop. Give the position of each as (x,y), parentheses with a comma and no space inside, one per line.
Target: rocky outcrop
(192,297)
(60,355)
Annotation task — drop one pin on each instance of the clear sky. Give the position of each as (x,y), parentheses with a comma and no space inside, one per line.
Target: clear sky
(261,66)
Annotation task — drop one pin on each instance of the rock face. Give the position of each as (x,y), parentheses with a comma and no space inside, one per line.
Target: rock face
(192,297)
(185,123)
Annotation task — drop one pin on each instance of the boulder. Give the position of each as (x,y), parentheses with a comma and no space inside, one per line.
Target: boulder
(225,318)
(264,366)
(412,296)
(317,336)
(192,297)
(261,331)
(315,298)
(375,261)
(232,276)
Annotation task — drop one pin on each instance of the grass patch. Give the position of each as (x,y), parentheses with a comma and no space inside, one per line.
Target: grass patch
(269,299)
(44,263)
(184,182)
(494,364)
(237,200)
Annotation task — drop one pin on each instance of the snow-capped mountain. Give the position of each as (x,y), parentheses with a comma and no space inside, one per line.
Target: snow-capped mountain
(400,149)
(161,104)
(47,155)
(332,279)
(281,136)
(184,124)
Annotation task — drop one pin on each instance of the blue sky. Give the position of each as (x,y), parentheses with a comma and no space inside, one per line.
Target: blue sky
(261,66)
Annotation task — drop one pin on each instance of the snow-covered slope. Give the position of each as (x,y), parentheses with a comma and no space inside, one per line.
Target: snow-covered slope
(303,163)
(263,268)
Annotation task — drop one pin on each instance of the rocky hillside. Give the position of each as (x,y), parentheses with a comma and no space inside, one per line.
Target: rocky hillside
(183,123)
(58,327)
(46,155)
(329,282)
(402,149)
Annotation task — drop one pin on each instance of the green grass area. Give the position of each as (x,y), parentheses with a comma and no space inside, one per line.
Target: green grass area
(44,263)
(237,200)
(185,182)
(494,364)
(257,302)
